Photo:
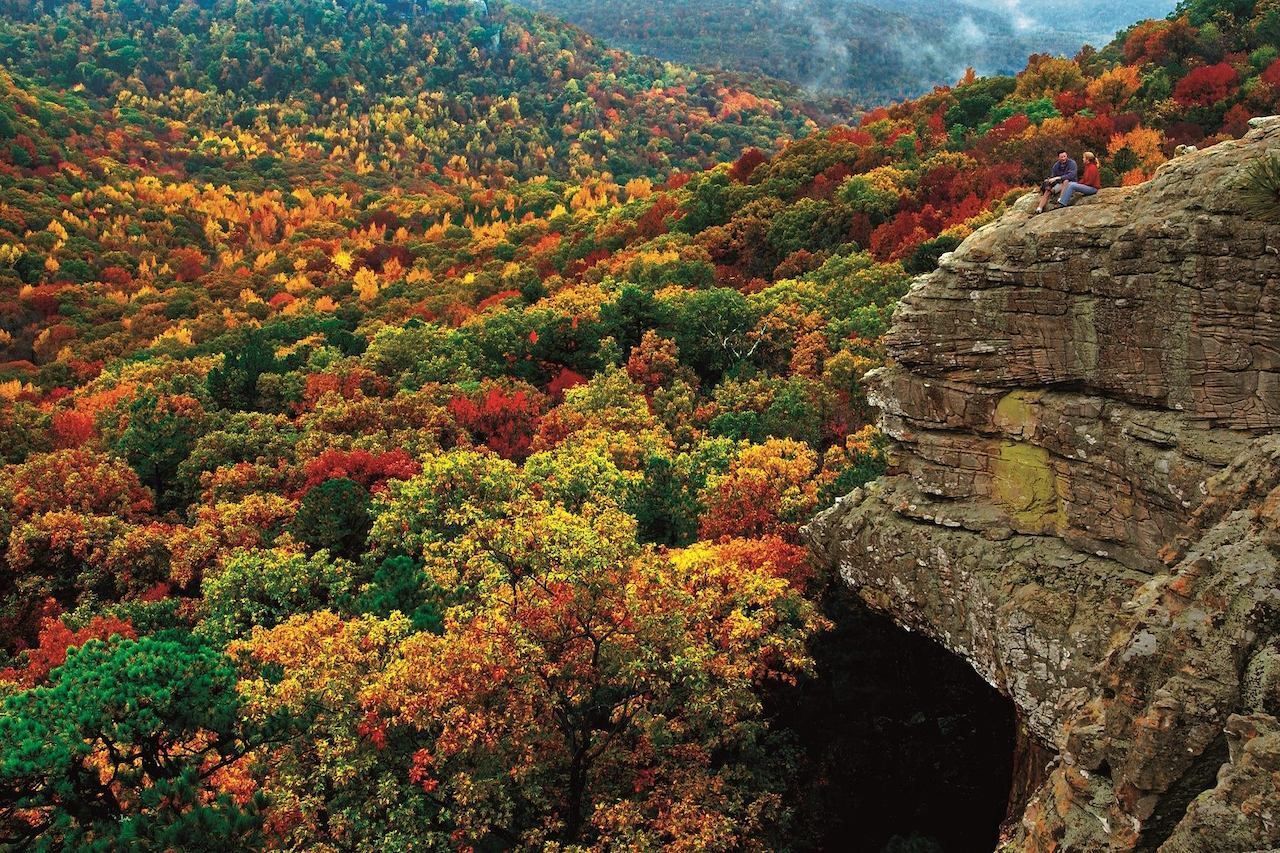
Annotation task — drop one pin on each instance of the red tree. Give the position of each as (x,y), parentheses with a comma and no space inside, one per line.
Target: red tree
(750,160)
(503,420)
(1271,76)
(55,640)
(1207,85)
(371,470)
(187,263)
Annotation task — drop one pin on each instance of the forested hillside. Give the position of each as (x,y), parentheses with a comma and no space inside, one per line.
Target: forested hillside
(411,428)
(869,51)
(398,89)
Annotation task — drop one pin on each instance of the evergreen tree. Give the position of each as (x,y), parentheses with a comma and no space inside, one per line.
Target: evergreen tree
(119,750)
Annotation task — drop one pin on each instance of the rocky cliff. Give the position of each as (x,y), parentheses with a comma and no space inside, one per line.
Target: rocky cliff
(1084,501)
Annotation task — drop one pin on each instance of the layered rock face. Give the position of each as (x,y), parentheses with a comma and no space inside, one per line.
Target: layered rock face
(1085,500)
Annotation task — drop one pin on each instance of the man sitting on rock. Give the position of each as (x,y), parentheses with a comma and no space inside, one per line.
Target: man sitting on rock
(1064,170)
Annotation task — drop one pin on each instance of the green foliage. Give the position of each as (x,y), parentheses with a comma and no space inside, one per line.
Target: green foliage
(1201,12)
(116,753)
(334,516)
(1036,111)
(23,431)
(743,426)
(76,270)
(234,385)
(159,437)
(242,438)
(974,101)
(1267,54)
(864,197)
(573,476)
(665,504)
(1260,189)
(855,476)
(925,258)
(454,491)
(8,121)
(420,353)
(147,617)
(708,203)
(796,411)
(712,331)
(633,311)
(860,294)
(264,588)
(1266,30)
(811,225)
(400,585)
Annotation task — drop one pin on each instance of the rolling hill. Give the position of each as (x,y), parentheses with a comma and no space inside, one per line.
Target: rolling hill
(486,88)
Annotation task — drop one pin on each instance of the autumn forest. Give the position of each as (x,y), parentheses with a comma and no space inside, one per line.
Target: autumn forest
(409,410)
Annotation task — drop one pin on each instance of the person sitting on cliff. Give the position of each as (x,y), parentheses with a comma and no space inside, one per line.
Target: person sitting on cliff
(1088,184)
(1064,171)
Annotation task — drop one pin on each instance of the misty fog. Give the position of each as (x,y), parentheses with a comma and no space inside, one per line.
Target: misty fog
(1094,20)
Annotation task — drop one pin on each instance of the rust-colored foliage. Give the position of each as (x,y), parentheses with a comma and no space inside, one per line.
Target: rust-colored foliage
(370,470)
(77,481)
(54,641)
(505,421)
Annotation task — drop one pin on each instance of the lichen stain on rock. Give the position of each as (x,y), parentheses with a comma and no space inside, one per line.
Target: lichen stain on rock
(1023,483)
(1016,413)
(1084,337)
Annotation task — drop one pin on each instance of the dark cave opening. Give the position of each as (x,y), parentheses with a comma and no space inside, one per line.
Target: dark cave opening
(905,748)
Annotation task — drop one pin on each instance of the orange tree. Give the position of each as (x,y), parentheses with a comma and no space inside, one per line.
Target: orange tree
(596,693)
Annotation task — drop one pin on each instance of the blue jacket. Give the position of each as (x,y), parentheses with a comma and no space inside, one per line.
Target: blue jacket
(1064,170)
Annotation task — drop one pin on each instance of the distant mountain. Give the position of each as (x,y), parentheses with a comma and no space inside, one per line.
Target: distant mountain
(870,50)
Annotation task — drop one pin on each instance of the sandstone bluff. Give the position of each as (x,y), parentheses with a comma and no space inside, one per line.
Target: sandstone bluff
(1084,502)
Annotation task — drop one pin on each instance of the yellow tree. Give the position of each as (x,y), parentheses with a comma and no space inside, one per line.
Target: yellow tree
(1112,89)
(768,490)
(597,694)
(341,786)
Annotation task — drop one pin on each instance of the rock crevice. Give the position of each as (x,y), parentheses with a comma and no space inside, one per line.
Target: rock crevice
(1084,499)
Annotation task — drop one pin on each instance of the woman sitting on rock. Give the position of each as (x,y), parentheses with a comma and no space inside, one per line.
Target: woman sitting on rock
(1088,184)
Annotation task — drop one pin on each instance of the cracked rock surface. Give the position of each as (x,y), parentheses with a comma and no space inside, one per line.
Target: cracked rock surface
(1084,500)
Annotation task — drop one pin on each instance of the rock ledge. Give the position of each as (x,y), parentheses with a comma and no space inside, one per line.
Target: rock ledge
(1084,500)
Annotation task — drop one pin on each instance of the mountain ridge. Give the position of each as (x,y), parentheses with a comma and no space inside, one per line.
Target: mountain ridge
(293,64)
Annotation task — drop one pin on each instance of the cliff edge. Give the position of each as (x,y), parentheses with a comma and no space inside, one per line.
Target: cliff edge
(1084,500)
